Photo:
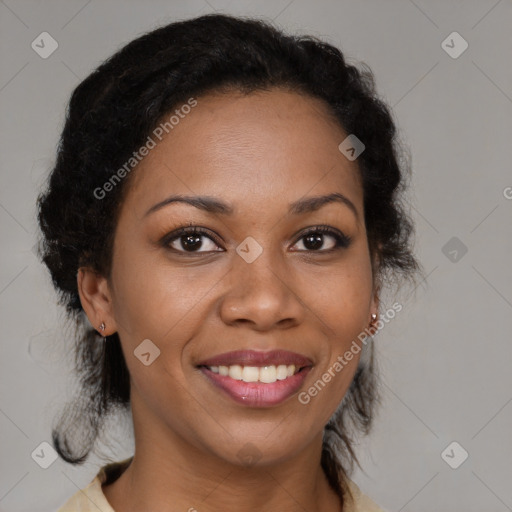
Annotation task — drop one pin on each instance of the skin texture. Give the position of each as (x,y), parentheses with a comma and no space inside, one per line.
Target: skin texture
(260,153)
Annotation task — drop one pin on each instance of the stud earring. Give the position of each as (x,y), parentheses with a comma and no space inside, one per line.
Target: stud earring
(372,322)
(102,328)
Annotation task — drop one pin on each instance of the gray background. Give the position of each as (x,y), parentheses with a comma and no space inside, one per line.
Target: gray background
(445,359)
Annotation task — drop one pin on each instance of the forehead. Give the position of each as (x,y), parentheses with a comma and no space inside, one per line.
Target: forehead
(248,149)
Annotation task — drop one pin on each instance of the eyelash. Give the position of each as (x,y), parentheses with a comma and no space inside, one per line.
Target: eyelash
(342,240)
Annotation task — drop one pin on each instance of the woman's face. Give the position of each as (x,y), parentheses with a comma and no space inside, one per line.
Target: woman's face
(254,280)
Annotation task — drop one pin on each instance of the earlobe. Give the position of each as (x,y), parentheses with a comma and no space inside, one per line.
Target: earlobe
(374,306)
(95,298)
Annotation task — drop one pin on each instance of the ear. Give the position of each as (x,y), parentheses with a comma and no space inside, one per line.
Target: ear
(96,300)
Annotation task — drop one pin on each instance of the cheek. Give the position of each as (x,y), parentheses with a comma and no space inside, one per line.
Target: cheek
(339,298)
(156,299)
(340,302)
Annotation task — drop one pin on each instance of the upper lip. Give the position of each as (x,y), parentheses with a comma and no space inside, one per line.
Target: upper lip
(258,358)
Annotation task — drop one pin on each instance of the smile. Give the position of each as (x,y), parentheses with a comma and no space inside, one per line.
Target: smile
(255,378)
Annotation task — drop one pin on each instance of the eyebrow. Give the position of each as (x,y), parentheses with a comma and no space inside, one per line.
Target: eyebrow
(213,205)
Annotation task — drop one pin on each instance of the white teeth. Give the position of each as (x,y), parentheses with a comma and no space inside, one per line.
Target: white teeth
(250,374)
(268,374)
(265,374)
(235,372)
(282,372)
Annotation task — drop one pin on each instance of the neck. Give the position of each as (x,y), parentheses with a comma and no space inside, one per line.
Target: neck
(167,473)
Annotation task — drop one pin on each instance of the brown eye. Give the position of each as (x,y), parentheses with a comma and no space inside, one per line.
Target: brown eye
(191,240)
(315,239)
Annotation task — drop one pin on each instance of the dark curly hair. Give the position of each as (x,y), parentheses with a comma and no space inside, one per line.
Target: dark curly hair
(110,115)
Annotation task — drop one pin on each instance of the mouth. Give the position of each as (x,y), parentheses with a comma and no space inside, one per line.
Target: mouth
(257,379)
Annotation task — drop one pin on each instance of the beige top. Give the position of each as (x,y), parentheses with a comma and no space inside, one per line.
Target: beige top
(92,499)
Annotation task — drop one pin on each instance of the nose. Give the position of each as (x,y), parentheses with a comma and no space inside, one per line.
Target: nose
(262,294)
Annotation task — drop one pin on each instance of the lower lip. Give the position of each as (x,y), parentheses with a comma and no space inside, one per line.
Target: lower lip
(258,394)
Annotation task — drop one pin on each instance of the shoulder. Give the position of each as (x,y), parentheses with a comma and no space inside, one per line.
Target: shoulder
(91,498)
(357,501)
(88,499)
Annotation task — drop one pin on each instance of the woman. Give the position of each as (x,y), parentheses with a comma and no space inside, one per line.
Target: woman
(222,217)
